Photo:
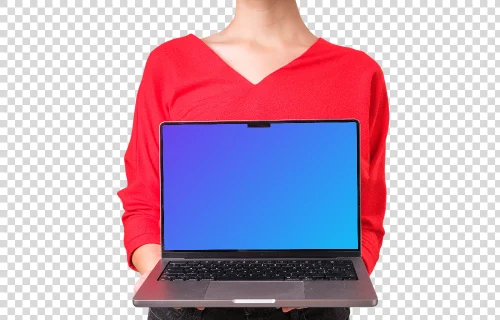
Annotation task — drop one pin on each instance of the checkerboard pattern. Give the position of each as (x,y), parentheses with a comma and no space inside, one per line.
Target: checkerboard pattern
(68,80)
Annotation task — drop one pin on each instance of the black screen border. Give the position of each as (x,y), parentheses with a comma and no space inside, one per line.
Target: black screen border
(284,253)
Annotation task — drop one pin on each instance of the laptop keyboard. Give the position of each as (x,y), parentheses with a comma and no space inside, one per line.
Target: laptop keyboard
(259,270)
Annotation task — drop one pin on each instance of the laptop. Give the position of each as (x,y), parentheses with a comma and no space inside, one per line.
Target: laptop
(259,214)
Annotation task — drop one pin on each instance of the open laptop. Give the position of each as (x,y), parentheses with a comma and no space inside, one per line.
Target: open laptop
(259,214)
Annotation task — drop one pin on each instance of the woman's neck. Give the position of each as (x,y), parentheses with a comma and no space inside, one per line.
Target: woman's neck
(269,21)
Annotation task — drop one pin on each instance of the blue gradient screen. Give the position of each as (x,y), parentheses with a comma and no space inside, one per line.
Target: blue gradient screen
(288,186)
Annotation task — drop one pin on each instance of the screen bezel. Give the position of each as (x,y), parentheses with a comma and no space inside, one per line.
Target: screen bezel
(288,253)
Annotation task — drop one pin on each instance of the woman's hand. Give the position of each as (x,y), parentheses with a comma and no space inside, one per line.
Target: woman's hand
(145,259)
(139,282)
(290,309)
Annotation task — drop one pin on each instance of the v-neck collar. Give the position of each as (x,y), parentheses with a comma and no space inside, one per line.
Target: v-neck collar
(243,78)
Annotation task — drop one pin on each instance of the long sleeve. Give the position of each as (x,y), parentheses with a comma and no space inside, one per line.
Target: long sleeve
(374,193)
(141,196)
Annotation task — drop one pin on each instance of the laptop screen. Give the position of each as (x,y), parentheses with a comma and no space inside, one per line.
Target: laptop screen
(228,186)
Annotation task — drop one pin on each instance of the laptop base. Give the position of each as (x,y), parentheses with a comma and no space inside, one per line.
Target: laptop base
(206,293)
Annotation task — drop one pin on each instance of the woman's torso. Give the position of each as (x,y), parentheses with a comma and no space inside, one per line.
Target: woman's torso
(326,82)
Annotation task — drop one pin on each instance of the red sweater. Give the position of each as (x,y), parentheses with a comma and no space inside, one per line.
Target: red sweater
(184,79)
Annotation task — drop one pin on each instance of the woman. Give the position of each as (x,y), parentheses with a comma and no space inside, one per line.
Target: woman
(265,64)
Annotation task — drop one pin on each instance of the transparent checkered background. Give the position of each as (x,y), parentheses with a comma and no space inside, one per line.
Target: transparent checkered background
(68,80)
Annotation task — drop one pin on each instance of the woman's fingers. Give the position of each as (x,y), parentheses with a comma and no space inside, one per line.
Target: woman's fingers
(290,309)
(284,309)
(139,282)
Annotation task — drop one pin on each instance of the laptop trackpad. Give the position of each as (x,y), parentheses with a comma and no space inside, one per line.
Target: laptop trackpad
(228,290)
